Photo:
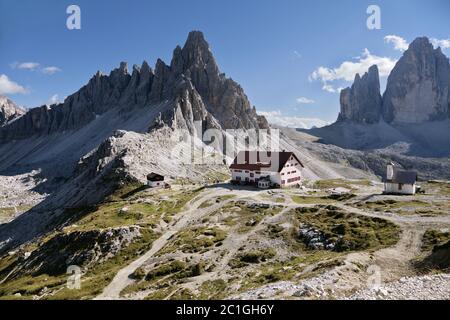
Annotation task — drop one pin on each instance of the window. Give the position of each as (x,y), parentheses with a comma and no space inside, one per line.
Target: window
(400,186)
(283,182)
(252,175)
(294,179)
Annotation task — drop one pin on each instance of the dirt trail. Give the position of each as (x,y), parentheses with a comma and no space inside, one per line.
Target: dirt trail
(192,213)
(232,245)
(395,262)
(392,263)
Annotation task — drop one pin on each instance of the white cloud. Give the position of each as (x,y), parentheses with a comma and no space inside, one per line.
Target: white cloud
(8,86)
(51,70)
(277,118)
(348,69)
(53,99)
(399,43)
(330,88)
(444,43)
(25,65)
(304,100)
(33,66)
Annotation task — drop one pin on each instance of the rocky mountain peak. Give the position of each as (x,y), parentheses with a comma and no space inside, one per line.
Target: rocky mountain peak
(123,67)
(197,48)
(190,87)
(373,74)
(362,102)
(145,67)
(418,88)
(421,45)
(8,110)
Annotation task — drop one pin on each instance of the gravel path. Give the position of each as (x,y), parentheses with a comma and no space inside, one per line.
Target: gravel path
(390,264)
(341,282)
(191,214)
(435,287)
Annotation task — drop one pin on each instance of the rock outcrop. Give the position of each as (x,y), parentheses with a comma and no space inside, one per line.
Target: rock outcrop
(192,87)
(418,88)
(362,102)
(9,111)
(79,248)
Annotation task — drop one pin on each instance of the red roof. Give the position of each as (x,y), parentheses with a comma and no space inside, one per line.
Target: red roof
(262,160)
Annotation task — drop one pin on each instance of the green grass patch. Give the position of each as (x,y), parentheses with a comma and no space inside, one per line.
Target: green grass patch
(182,294)
(437,187)
(213,290)
(93,281)
(163,275)
(252,257)
(413,207)
(245,216)
(341,183)
(211,202)
(161,293)
(7,214)
(121,212)
(433,238)
(311,200)
(290,270)
(347,230)
(194,240)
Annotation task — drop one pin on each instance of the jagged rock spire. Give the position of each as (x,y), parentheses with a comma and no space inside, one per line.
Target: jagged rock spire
(418,88)
(362,102)
(193,68)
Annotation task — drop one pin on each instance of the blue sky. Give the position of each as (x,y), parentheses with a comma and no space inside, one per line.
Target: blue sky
(272,48)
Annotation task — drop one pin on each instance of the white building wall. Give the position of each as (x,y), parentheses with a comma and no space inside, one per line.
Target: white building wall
(155,184)
(292,170)
(252,175)
(395,188)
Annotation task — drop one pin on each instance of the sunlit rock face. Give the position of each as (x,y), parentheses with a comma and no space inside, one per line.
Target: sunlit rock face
(362,102)
(9,111)
(192,87)
(418,88)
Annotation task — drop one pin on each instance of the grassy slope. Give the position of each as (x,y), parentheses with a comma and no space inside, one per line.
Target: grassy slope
(109,214)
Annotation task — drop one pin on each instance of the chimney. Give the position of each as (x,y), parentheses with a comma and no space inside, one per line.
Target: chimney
(390,172)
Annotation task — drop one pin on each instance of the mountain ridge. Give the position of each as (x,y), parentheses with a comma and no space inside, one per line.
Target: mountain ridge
(193,73)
